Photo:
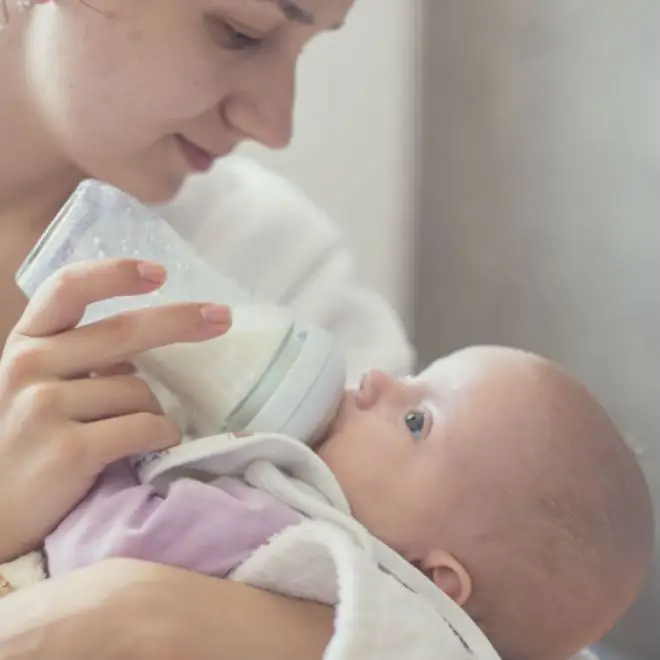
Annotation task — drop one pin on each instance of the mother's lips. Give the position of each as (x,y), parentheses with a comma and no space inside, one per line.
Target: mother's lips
(198,158)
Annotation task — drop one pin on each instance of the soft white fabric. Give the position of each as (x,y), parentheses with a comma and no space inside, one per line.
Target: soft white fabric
(260,230)
(375,618)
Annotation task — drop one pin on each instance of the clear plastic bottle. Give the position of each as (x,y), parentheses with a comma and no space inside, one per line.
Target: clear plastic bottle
(268,373)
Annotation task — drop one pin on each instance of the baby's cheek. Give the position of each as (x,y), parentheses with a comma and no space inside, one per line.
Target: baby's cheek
(328,448)
(336,453)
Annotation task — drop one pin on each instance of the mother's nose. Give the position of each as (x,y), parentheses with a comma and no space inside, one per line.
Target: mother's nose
(263,109)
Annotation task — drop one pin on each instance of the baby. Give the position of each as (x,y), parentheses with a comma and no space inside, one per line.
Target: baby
(493,472)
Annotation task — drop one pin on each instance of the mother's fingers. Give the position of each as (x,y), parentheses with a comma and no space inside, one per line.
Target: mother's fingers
(93,399)
(110,440)
(103,344)
(85,449)
(60,303)
(116,339)
(120,369)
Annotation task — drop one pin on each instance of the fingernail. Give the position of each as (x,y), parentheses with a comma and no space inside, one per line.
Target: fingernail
(218,314)
(151,272)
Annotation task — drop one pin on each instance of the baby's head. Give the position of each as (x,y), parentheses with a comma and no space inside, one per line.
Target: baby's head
(503,480)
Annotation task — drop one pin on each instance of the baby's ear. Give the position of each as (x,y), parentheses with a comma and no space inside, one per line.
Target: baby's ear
(449,574)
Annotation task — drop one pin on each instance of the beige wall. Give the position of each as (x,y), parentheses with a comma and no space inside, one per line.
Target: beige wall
(541,202)
(352,151)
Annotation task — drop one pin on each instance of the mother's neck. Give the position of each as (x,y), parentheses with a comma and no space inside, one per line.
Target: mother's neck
(35,179)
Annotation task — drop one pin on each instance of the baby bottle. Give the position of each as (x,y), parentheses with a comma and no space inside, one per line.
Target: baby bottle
(269,373)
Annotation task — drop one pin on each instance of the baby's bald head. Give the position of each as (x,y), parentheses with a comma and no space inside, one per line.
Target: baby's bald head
(555,523)
(505,482)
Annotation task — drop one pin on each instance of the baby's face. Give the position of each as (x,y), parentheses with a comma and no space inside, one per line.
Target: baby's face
(409,452)
(458,468)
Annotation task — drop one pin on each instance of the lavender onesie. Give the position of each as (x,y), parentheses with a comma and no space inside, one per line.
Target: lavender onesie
(197,526)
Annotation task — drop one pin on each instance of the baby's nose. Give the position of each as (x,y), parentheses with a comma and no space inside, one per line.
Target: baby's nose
(375,385)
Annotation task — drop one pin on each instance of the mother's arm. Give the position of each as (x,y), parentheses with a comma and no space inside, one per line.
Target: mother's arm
(129,610)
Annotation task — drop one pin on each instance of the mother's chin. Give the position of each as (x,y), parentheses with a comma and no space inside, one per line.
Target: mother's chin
(154,177)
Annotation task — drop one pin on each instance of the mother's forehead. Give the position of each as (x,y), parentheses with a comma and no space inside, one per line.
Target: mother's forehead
(293,9)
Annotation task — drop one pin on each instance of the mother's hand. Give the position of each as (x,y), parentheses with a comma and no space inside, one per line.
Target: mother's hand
(59,428)
(129,610)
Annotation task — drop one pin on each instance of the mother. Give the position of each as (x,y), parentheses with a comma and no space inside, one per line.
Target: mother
(141,93)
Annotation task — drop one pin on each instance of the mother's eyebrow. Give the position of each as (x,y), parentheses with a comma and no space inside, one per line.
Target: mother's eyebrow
(294,12)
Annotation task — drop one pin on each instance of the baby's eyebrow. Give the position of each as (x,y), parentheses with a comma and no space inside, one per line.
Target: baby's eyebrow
(425,401)
(433,409)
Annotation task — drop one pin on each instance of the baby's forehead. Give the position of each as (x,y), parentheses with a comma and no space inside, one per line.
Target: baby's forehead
(436,382)
(479,362)
(482,372)
(452,371)
(428,376)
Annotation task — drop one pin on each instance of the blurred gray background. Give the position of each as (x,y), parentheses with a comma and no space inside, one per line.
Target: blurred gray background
(539,204)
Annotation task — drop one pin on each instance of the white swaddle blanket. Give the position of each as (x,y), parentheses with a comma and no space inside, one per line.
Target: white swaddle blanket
(376,617)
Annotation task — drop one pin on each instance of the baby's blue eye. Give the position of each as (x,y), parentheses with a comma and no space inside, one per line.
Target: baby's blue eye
(415,421)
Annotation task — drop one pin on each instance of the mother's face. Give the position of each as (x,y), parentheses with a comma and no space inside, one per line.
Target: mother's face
(126,88)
